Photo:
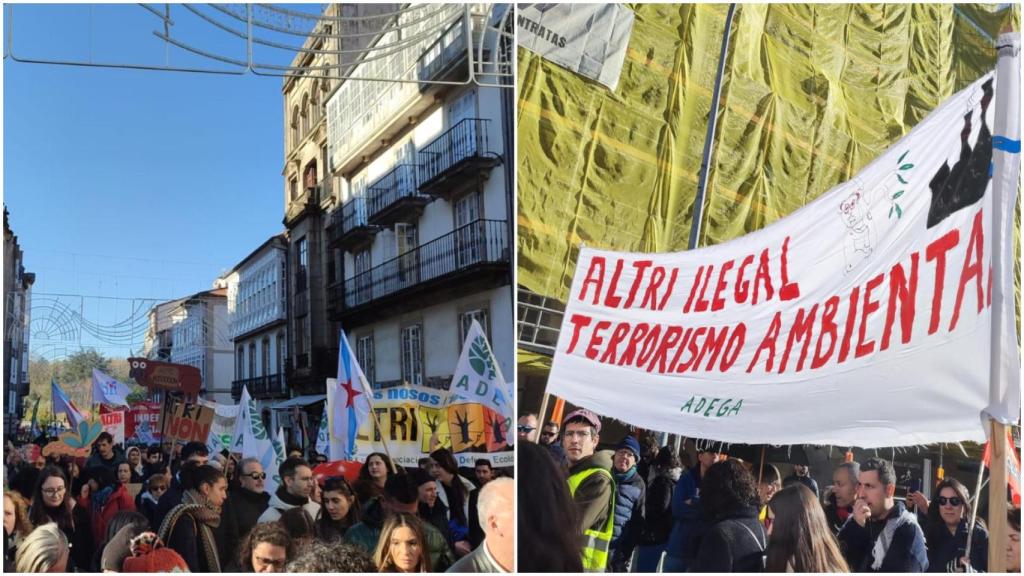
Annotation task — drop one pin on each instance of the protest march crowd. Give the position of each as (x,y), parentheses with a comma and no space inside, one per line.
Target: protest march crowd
(638,509)
(203,512)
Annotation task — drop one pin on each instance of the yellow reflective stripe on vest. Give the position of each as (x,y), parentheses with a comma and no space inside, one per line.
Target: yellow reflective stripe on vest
(596,543)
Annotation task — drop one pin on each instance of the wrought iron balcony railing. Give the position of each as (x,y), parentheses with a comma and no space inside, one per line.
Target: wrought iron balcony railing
(395,186)
(463,143)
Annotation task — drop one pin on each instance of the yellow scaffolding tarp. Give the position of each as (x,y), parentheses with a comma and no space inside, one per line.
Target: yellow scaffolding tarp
(811,94)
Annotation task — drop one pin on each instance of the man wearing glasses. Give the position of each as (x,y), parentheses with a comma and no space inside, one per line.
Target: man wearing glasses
(527,428)
(244,505)
(591,485)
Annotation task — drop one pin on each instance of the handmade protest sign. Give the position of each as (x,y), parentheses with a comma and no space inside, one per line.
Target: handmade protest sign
(863,319)
(190,422)
(113,422)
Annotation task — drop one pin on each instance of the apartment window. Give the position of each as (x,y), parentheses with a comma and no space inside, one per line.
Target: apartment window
(468,235)
(265,356)
(412,354)
(406,239)
(363,285)
(240,363)
(302,259)
(295,128)
(280,352)
(481,315)
(304,116)
(252,360)
(364,355)
(293,188)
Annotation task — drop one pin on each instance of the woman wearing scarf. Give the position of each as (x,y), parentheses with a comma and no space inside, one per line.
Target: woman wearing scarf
(107,498)
(188,527)
(52,502)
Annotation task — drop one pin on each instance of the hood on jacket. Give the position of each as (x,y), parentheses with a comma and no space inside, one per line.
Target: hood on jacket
(671,473)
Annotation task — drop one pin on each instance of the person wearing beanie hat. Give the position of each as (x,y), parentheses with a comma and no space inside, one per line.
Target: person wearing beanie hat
(591,485)
(149,555)
(430,509)
(630,498)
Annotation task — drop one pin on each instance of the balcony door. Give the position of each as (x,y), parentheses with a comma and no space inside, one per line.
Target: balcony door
(406,240)
(468,235)
(405,178)
(362,279)
(464,137)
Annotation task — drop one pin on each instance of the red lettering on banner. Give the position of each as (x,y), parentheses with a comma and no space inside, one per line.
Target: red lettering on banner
(717,302)
(676,364)
(640,266)
(789,290)
(651,294)
(638,334)
(672,335)
(596,339)
(937,251)
(579,321)
(595,276)
(906,294)
(620,332)
(768,343)
(828,327)
(713,345)
(691,347)
(971,269)
(610,299)
(763,276)
(702,302)
(851,318)
(865,347)
(650,345)
(668,291)
(732,350)
(743,286)
(803,329)
(693,291)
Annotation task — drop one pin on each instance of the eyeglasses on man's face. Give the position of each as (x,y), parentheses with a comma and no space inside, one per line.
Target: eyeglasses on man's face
(526,429)
(256,475)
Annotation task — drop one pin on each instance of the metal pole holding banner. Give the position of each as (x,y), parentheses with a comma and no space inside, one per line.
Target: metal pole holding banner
(705,162)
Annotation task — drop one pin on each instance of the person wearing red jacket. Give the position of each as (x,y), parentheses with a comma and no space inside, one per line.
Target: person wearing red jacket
(107,497)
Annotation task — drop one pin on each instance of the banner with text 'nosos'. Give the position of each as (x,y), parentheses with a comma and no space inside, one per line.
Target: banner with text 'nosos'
(881,314)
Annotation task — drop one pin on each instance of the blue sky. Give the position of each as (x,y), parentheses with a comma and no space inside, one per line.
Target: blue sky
(129,183)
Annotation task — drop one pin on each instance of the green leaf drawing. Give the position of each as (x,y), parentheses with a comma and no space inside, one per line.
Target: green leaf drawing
(899,211)
(898,194)
(890,211)
(906,167)
(480,358)
(903,156)
(900,178)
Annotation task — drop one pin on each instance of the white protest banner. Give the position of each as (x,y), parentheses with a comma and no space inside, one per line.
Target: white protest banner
(589,39)
(863,319)
(478,379)
(223,427)
(113,422)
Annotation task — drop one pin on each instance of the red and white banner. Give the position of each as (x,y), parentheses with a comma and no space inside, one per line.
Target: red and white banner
(113,422)
(144,415)
(876,315)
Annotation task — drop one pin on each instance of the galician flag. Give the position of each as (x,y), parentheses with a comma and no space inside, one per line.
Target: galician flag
(107,390)
(478,379)
(61,403)
(347,403)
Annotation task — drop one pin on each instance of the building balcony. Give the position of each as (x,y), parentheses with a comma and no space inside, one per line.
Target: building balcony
(260,387)
(349,226)
(395,197)
(457,159)
(307,372)
(335,297)
(445,60)
(469,259)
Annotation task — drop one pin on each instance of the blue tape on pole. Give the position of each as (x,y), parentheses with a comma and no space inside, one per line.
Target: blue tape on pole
(1006,145)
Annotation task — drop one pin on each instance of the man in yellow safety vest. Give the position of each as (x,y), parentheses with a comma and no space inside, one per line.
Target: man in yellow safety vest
(591,485)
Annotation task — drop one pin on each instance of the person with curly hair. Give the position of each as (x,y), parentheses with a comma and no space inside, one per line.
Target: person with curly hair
(267,548)
(735,540)
(402,545)
(16,526)
(333,557)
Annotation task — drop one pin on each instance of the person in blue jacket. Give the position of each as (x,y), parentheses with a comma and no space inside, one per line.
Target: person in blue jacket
(687,523)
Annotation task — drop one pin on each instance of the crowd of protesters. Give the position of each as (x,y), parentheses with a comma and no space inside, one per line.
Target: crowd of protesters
(636,508)
(161,508)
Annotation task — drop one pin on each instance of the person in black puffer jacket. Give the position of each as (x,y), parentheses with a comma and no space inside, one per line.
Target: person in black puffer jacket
(735,541)
(658,510)
(629,504)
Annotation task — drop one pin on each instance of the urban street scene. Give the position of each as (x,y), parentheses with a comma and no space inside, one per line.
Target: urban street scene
(768,287)
(258,288)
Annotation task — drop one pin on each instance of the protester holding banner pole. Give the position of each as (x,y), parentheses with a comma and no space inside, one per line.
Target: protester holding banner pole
(592,486)
(949,519)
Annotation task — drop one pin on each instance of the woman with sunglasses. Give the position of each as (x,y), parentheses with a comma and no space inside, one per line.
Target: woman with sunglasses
(340,510)
(949,518)
(155,486)
(52,502)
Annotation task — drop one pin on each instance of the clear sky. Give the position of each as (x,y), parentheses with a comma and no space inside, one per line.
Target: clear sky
(130,183)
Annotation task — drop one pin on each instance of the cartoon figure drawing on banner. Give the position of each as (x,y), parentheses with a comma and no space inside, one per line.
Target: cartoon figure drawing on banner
(965,183)
(855,212)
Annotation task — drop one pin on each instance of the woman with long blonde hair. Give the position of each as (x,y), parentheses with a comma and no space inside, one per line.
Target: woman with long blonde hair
(402,546)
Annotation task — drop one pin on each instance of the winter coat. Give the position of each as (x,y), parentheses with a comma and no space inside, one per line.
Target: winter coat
(687,524)
(658,507)
(146,504)
(734,541)
(944,547)
(437,517)
(476,531)
(246,507)
(811,483)
(96,460)
(629,518)
(118,501)
(170,498)
(367,532)
(906,553)
(443,497)
(594,496)
(834,517)
(277,505)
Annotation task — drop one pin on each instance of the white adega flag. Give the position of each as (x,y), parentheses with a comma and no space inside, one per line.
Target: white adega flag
(478,379)
(863,319)
(323,439)
(251,438)
(271,459)
(107,390)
